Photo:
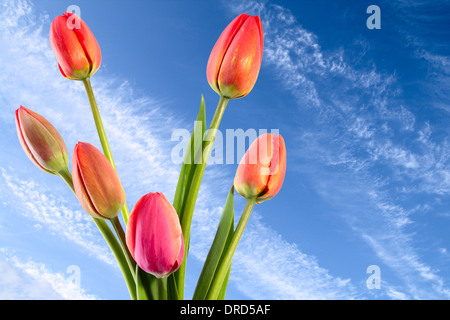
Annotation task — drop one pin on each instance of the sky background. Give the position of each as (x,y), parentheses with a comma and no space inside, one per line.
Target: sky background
(364,114)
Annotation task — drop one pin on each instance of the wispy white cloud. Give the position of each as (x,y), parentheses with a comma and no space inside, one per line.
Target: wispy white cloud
(38,280)
(301,278)
(56,214)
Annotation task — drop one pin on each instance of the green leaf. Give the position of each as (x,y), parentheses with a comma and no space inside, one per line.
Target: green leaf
(221,239)
(172,290)
(185,180)
(187,168)
(142,285)
(221,274)
(223,290)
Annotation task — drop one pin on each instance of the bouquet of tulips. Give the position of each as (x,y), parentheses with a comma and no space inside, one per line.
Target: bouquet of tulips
(152,249)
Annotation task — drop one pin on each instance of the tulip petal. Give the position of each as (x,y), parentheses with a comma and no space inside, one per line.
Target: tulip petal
(220,48)
(180,256)
(68,50)
(25,146)
(41,141)
(261,171)
(89,44)
(154,235)
(253,173)
(100,181)
(80,190)
(242,61)
(261,36)
(277,169)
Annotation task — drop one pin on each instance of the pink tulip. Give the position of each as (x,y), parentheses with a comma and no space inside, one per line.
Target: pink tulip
(261,171)
(41,142)
(96,183)
(154,235)
(235,60)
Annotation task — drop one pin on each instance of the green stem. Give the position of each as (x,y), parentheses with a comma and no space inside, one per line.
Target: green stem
(110,240)
(121,236)
(222,270)
(162,284)
(67,177)
(173,295)
(102,135)
(119,255)
(188,209)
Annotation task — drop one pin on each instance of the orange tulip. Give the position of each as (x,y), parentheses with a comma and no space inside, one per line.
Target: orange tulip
(154,235)
(235,60)
(96,182)
(41,142)
(76,49)
(261,171)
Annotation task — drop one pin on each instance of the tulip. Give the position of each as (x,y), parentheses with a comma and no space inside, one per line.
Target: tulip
(261,171)
(154,235)
(76,49)
(96,183)
(41,142)
(235,60)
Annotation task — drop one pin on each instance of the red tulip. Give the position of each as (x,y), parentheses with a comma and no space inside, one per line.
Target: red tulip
(235,60)
(261,171)
(96,182)
(41,142)
(154,235)
(76,49)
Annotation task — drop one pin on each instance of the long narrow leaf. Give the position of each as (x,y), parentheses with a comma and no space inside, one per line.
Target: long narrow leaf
(142,285)
(172,291)
(220,241)
(184,182)
(186,171)
(194,188)
(223,290)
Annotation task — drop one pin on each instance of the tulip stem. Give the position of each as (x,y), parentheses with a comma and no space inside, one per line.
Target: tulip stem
(222,269)
(189,205)
(67,177)
(120,257)
(110,240)
(162,285)
(121,236)
(102,135)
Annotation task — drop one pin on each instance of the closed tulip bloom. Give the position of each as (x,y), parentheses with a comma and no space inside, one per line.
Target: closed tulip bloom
(75,47)
(154,235)
(96,183)
(261,171)
(235,60)
(41,142)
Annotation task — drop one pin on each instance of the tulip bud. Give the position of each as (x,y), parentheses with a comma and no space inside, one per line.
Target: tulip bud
(75,47)
(41,142)
(96,182)
(261,171)
(235,60)
(154,235)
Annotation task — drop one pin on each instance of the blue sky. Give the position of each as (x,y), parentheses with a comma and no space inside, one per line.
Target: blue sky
(364,114)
